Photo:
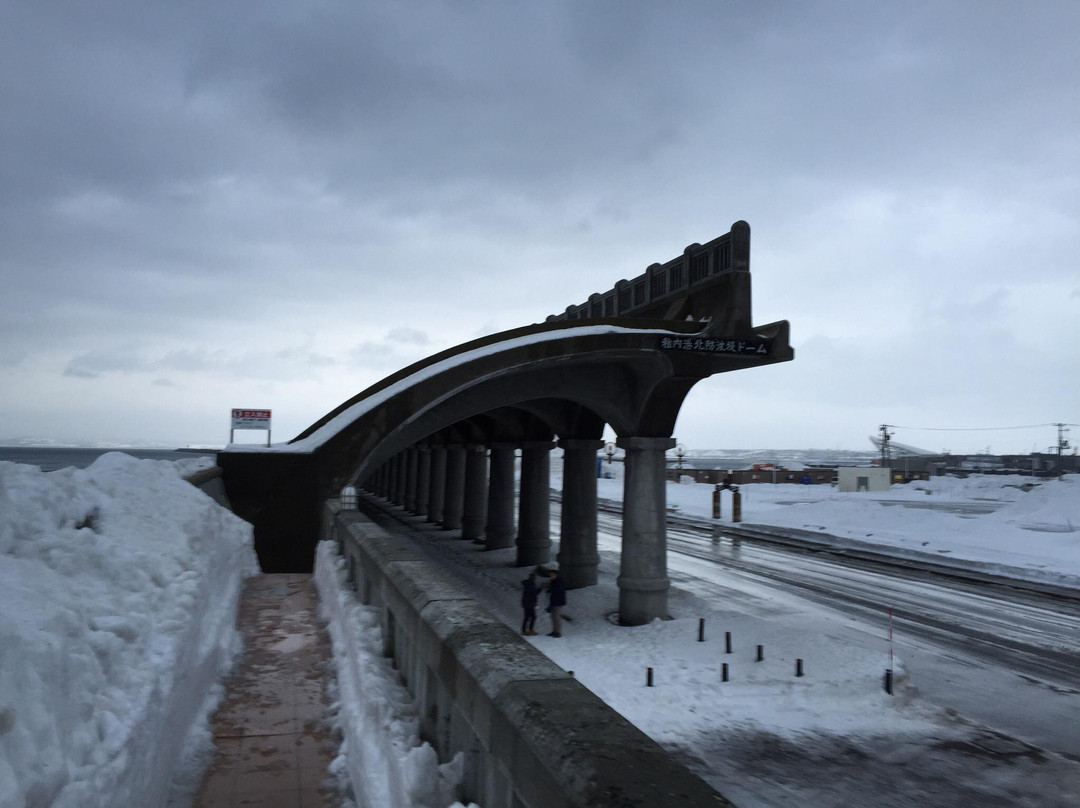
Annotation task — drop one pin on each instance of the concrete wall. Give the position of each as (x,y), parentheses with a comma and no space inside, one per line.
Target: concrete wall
(210,482)
(532,735)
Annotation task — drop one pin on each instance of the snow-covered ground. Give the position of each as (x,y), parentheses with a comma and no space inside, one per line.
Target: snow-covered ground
(832,737)
(118,589)
(119,585)
(1008,524)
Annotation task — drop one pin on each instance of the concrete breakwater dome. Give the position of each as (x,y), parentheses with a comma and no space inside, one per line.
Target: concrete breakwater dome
(439,438)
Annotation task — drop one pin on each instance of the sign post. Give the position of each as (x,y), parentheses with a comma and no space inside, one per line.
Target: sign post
(250,419)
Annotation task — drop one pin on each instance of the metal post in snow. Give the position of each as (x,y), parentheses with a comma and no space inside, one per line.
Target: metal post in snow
(889,670)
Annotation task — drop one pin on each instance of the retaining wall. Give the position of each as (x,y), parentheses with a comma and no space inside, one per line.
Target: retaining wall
(532,735)
(210,482)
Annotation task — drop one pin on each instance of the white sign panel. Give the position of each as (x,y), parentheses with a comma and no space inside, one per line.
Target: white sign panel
(251,419)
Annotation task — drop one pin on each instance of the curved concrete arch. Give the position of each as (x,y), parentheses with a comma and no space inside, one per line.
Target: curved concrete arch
(616,371)
(630,374)
(600,363)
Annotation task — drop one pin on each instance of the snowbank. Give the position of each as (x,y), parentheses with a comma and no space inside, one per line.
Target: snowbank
(386,761)
(119,586)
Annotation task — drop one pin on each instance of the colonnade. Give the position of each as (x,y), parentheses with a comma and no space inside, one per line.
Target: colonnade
(470,489)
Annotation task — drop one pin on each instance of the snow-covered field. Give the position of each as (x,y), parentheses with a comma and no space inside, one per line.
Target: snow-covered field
(832,737)
(1007,524)
(118,593)
(119,586)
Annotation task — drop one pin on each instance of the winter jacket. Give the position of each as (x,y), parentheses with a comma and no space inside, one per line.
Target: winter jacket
(529,592)
(556,592)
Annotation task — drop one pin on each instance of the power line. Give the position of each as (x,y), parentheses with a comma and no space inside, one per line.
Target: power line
(972,429)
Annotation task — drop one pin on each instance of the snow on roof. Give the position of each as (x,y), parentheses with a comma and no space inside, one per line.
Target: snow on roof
(347,416)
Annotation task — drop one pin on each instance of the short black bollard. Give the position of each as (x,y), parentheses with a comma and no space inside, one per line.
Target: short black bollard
(723,672)
(798,667)
(888,681)
(760,653)
(701,629)
(648,677)
(727,642)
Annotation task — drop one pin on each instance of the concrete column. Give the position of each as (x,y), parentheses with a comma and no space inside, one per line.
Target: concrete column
(643,581)
(411,456)
(423,479)
(474,512)
(391,478)
(499,532)
(534,514)
(381,488)
(454,501)
(401,471)
(578,558)
(437,488)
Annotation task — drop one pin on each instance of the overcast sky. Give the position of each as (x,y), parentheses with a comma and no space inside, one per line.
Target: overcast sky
(207,205)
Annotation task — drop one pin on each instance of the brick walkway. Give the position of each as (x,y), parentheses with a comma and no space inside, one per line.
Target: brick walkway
(272,749)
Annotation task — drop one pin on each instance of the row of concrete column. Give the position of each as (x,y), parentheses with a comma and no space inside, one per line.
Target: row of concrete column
(471,488)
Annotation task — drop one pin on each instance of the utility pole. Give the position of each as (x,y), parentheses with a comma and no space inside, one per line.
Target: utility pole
(1062,445)
(886,455)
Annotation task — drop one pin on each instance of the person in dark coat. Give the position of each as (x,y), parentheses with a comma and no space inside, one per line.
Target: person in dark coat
(530,593)
(556,600)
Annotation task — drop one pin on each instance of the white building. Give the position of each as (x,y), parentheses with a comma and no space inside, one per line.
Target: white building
(862,478)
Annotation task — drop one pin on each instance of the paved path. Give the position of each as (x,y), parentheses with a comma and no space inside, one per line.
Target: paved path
(272,746)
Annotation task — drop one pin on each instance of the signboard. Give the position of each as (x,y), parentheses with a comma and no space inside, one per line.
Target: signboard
(251,419)
(753,347)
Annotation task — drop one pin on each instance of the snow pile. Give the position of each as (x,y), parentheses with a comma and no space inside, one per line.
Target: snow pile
(119,586)
(382,752)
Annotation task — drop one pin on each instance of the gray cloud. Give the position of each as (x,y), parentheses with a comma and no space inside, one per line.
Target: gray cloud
(196,192)
(408,336)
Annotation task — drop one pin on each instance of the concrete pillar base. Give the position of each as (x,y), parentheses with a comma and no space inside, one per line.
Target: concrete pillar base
(642,600)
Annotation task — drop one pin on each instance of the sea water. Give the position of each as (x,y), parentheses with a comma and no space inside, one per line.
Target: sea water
(53,458)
